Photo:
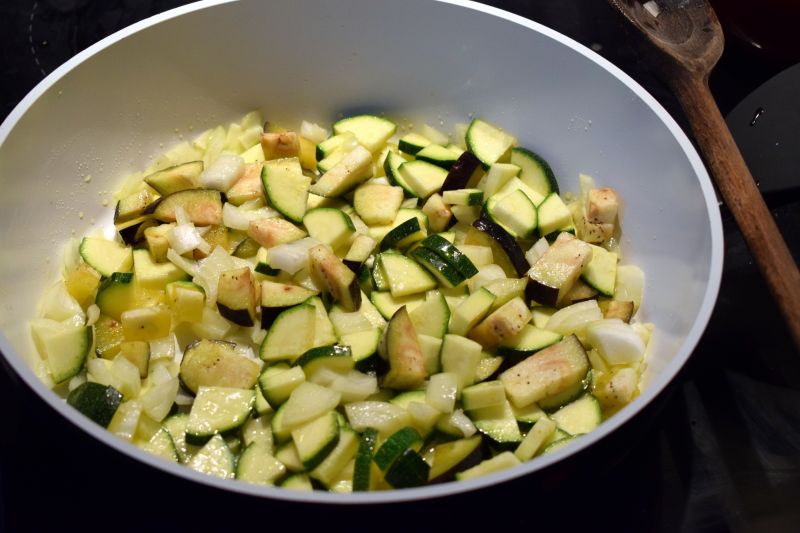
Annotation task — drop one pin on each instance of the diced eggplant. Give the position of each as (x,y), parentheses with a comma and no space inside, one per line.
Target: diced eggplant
(236,296)
(553,275)
(214,363)
(133,231)
(134,205)
(622,309)
(176,178)
(464,173)
(506,242)
(341,283)
(400,346)
(248,187)
(547,373)
(280,145)
(203,207)
(502,324)
(269,232)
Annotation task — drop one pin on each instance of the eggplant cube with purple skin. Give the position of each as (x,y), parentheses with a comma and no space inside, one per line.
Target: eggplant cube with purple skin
(554,274)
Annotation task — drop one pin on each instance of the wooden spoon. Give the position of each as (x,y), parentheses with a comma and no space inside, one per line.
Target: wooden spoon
(685,42)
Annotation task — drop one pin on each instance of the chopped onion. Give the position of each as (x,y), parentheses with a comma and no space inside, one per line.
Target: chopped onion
(537,250)
(187,265)
(313,132)
(92,314)
(240,217)
(223,172)
(59,305)
(185,238)
(617,342)
(461,421)
(652,8)
(291,257)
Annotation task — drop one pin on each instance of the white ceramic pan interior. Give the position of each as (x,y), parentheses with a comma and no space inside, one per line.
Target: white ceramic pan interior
(113,107)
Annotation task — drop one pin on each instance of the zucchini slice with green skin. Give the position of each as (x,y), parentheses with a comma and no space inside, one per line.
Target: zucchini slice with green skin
(97,402)
(330,470)
(161,444)
(328,225)
(203,207)
(408,470)
(175,425)
(534,171)
(600,272)
(463,197)
(438,155)
(405,276)
(331,144)
(471,311)
(106,256)
(411,143)
(497,422)
(377,204)
(482,395)
(63,346)
(216,363)
(286,187)
(175,178)
(506,242)
(580,416)
(489,143)
(362,470)
(354,168)
(307,402)
(547,374)
(215,459)
(423,177)
(387,305)
(460,356)
(395,445)
(218,410)
(497,463)
(404,235)
(433,316)
(450,457)
(531,339)
(391,166)
(451,254)
(514,212)
(257,465)
(554,215)
(278,381)
(447,274)
(275,297)
(371,131)
(299,481)
(316,439)
(464,173)
(336,357)
(533,441)
(291,334)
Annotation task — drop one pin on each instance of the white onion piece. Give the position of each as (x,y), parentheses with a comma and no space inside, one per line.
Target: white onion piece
(291,257)
(185,238)
(313,132)
(59,305)
(223,172)
(537,251)
(240,217)
(617,342)
(187,265)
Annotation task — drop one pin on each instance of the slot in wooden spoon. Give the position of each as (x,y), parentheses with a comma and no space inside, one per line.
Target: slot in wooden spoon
(686,41)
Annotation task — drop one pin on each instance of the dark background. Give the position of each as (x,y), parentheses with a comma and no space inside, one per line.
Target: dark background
(719,451)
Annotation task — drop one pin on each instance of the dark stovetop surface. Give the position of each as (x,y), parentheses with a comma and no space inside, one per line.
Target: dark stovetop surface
(720,451)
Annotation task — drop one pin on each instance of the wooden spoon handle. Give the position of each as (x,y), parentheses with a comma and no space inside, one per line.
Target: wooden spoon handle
(741,195)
